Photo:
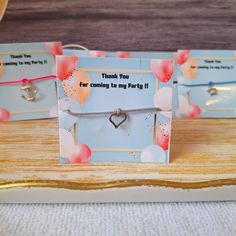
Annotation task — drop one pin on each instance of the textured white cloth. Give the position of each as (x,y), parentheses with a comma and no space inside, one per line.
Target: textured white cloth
(215,218)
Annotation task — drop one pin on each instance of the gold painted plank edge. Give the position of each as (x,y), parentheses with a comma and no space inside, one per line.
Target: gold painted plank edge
(118,184)
(204,147)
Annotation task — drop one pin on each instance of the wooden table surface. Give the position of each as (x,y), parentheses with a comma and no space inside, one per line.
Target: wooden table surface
(203,151)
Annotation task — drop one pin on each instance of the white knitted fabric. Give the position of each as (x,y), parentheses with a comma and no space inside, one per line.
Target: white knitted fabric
(216,218)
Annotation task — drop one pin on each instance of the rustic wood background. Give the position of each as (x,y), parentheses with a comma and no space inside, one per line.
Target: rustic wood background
(203,151)
(123,25)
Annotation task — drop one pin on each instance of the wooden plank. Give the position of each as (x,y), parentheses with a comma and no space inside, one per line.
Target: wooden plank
(203,154)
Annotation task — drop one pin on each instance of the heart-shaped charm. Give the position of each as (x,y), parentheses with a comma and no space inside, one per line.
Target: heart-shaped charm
(121,115)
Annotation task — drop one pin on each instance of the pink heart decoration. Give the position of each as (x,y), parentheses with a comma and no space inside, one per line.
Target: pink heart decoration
(4,115)
(81,154)
(54,48)
(182,56)
(65,66)
(194,111)
(163,135)
(123,54)
(97,53)
(162,69)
